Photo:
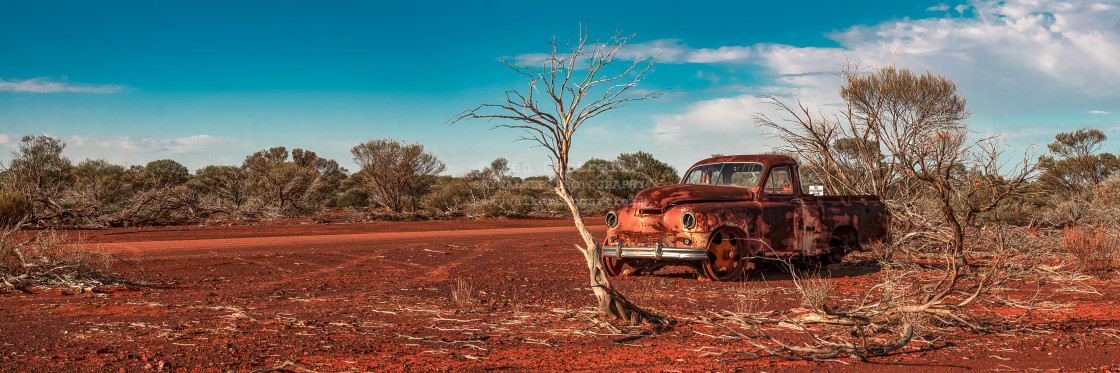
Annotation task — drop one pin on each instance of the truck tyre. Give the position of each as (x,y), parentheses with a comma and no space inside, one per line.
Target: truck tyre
(835,254)
(843,240)
(726,261)
(614,266)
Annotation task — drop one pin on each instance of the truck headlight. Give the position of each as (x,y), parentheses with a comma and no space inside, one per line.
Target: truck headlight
(612,219)
(688,221)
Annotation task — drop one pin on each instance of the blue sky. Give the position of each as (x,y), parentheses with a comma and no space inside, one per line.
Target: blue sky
(211,82)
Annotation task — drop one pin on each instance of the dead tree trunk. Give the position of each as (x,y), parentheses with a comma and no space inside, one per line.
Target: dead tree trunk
(611,302)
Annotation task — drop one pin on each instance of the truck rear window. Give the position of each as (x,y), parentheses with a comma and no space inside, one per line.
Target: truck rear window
(744,175)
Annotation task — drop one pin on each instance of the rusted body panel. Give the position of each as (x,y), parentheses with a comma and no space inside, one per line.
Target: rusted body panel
(772,219)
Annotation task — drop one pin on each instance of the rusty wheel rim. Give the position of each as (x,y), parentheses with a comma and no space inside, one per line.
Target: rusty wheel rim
(724,262)
(614,266)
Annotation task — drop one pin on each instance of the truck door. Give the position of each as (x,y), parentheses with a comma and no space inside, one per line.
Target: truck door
(793,222)
(780,212)
(809,226)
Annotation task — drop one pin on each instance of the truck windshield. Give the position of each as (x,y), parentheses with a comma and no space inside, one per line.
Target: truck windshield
(744,175)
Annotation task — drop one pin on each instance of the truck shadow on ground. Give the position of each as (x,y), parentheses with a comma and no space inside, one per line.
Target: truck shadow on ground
(784,271)
(769,271)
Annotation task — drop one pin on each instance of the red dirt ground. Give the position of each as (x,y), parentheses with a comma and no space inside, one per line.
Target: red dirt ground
(378,297)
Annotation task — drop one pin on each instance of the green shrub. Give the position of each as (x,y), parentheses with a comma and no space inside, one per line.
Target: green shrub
(556,206)
(448,197)
(353,197)
(14,206)
(111,208)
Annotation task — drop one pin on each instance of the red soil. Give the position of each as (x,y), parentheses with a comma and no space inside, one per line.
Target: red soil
(377,297)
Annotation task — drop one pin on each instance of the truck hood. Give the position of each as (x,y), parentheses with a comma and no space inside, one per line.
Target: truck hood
(662,197)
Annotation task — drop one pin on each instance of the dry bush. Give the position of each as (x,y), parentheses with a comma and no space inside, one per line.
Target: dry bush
(879,251)
(1067,212)
(930,295)
(160,205)
(48,259)
(338,215)
(950,260)
(1105,211)
(1107,193)
(1097,251)
(462,293)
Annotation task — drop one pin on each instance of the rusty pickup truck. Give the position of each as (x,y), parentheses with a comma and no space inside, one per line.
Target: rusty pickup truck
(729,213)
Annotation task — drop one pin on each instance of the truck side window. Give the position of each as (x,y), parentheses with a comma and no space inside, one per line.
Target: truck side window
(779,181)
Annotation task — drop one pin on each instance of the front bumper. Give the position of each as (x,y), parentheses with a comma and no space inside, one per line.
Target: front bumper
(657,252)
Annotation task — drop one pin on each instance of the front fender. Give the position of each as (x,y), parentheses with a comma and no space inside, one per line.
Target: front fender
(716,215)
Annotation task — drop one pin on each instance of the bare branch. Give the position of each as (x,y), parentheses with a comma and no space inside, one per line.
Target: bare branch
(571,83)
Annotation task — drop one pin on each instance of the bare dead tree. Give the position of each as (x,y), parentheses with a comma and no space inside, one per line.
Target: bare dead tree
(901,136)
(566,89)
(888,112)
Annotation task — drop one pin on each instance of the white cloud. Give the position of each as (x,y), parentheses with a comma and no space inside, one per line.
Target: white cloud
(938,8)
(726,115)
(721,54)
(45,85)
(1099,112)
(724,125)
(714,79)
(192,151)
(1013,61)
(666,51)
(1038,50)
(672,51)
(147,145)
(6,143)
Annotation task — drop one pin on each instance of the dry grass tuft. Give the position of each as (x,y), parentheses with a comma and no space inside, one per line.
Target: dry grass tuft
(815,291)
(751,297)
(462,293)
